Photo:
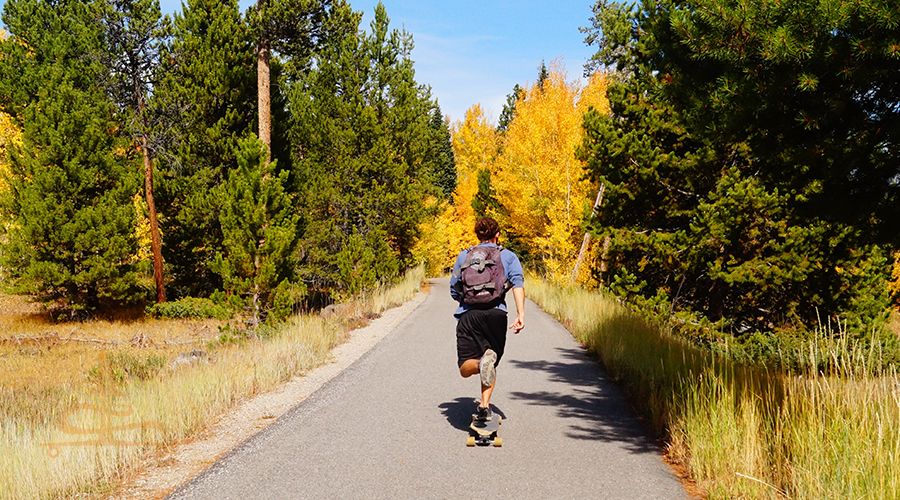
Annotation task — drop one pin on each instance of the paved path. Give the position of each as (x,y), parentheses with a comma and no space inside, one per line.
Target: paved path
(394,426)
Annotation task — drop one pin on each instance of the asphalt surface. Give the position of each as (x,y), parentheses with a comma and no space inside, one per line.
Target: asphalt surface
(394,425)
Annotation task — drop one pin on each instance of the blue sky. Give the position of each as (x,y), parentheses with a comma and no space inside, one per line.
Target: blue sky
(476,51)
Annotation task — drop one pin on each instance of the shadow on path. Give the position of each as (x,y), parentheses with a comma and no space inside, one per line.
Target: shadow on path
(594,405)
(459,412)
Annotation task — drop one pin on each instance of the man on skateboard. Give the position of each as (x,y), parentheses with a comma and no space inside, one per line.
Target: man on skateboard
(482,313)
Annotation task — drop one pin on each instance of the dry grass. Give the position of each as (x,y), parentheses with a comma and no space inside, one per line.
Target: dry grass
(79,414)
(743,431)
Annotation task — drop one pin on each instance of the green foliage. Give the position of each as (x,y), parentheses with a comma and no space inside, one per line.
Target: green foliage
(189,307)
(366,163)
(441,155)
(297,28)
(134,31)
(485,202)
(543,75)
(748,185)
(359,266)
(209,82)
(259,225)
(509,109)
(70,236)
(362,152)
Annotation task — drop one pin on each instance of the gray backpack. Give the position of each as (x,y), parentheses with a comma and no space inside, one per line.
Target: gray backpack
(482,279)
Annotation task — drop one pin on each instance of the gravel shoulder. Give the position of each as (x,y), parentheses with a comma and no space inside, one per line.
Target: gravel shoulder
(161,474)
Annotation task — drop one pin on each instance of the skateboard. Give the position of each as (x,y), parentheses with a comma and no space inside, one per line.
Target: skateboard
(485,433)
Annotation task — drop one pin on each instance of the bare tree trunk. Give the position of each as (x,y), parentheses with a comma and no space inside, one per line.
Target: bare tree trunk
(263,88)
(256,292)
(155,240)
(587,236)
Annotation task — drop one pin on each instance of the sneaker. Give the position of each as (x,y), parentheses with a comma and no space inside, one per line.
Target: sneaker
(484,414)
(487,369)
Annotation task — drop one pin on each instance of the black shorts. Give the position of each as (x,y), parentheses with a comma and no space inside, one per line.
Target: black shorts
(479,330)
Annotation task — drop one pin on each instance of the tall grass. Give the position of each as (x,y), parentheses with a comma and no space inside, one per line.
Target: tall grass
(49,457)
(743,431)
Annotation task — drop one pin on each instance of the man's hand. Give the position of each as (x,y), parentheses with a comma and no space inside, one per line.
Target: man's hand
(519,323)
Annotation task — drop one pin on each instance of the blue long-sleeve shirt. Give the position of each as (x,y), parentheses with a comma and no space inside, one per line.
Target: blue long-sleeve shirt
(511,266)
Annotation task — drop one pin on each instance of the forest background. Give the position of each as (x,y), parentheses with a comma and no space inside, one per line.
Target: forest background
(726,169)
(139,160)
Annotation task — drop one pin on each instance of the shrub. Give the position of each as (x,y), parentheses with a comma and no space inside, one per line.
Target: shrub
(189,307)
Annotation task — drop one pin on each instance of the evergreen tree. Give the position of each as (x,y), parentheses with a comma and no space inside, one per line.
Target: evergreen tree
(443,163)
(134,32)
(362,124)
(208,79)
(485,201)
(740,136)
(509,109)
(259,225)
(294,28)
(543,75)
(70,238)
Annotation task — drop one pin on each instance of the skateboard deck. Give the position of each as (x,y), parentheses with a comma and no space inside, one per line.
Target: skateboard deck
(485,433)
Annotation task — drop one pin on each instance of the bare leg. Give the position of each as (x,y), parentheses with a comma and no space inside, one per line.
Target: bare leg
(486,395)
(469,368)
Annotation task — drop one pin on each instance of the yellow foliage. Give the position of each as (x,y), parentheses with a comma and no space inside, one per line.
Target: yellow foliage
(431,247)
(9,135)
(142,229)
(894,283)
(539,181)
(475,146)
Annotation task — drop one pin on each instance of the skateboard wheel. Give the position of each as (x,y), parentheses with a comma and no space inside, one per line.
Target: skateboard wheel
(498,441)
(470,441)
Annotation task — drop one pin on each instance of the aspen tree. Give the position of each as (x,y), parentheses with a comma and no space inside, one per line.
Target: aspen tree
(539,179)
(475,147)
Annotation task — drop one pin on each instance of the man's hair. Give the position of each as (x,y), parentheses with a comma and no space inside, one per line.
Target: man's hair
(486,228)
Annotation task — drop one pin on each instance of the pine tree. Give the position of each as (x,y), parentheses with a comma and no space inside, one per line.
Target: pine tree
(543,76)
(259,225)
(440,156)
(208,79)
(134,31)
(294,28)
(509,109)
(745,166)
(485,203)
(363,126)
(70,240)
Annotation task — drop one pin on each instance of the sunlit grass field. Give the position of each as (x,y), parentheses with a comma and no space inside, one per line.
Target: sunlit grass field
(743,431)
(75,415)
